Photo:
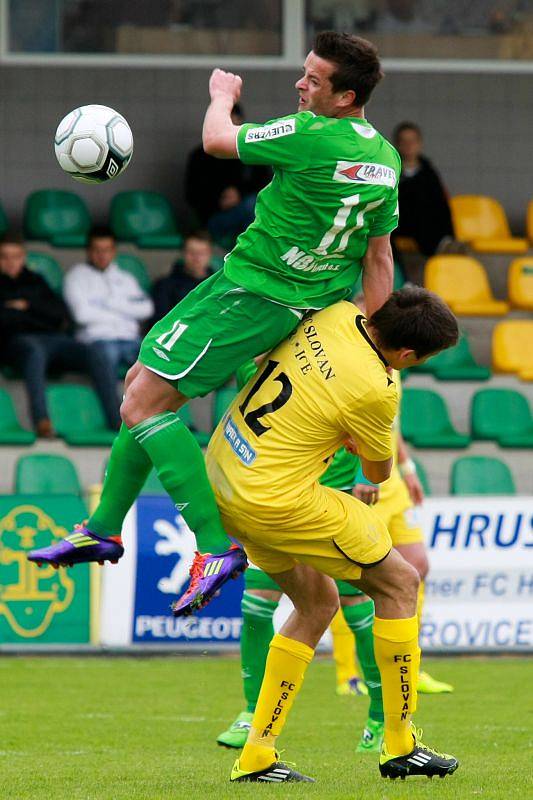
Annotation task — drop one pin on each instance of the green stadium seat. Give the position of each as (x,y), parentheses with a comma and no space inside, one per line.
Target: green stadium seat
(58,217)
(46,474)
(222,399)
(48,267)
(136,267)
(4,225)
(426,422)
(502,415)
(455,364)
(77,416)
(481,475)
(423,477)
(11,431)
(145,218)
(186,417)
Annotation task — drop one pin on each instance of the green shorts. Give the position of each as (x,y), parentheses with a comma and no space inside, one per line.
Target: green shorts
(257,579)
(211,332)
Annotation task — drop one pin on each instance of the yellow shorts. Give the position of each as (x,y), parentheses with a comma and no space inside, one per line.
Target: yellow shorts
(329,530)
(401,519)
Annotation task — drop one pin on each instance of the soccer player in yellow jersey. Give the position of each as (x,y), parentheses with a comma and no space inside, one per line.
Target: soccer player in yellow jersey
(328,383)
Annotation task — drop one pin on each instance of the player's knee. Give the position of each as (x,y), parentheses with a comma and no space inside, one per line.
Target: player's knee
(421,564)
(131,374)
(409,581)
(131,411)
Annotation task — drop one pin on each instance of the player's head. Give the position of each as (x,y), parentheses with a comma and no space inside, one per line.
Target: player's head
(12,255)
(340,74)
(101,247)
(197,254)
(407,139)
(412,325)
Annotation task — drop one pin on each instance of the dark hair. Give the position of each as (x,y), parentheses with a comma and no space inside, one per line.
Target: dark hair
(10,237)
(357,62)
(417,319)
(405,126)
(100,232)
(201,235)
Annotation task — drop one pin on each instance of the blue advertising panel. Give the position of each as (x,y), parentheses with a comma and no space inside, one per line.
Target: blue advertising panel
(165,550)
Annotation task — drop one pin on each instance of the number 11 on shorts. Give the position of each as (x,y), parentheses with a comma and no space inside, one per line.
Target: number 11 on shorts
(168,339)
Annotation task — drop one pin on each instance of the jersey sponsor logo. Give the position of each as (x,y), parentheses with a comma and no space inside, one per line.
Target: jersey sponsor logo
(240,446)
(272,131)
(358,172)
(301,260)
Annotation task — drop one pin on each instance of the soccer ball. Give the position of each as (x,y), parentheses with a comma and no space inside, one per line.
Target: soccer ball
(93,144)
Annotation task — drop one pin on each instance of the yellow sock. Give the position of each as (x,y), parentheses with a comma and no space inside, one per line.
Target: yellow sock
(284,674)
(343,648)
(420,603)
(398,658)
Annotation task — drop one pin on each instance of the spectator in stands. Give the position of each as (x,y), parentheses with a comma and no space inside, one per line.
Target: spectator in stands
(35,331)
(222,192)
(402,16)
(424,210)
(108,307)
(185,275)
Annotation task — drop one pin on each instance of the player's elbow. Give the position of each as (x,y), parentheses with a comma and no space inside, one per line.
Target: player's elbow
(377,471)
(220,143)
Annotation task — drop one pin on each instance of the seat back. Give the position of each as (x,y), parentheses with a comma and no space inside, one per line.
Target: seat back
(8,416)
(3,221)
(135,214)
(51,212)
(136,267)
(495,412)
(423,412)
(74,409)
(46,474)
(512,345)
(478,217)
(520,283)
(457,279)
(423,477)
(47,267)
(481,475)
(458,356)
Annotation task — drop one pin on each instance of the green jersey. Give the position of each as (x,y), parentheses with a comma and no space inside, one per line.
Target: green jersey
(335,185)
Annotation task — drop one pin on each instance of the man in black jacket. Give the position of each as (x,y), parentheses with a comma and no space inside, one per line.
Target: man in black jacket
(34,331)
(423,202)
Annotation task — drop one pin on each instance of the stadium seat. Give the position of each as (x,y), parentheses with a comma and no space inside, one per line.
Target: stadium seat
(423,477)
(11,431)
(502,415)
(481,475)
(512,348)
(406,244)
(77,416)
(186,417)
(529,222)
(520,283)
(48,267)
(136,267)
(4,225)
(58,217)
(222,399)
(145,218)
(46,474)
(462,282)
(455,364)
(426,423)
(481,222)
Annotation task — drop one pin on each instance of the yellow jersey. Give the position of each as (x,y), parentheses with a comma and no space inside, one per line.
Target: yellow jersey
(326,383)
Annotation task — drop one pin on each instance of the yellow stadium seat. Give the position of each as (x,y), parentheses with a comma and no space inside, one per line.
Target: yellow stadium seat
(406,244)
(462,282)
(481,222)
(529,221)
(512,348)
(520,283)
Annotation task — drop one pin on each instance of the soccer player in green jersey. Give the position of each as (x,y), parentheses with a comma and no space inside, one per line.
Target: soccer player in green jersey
(326,216)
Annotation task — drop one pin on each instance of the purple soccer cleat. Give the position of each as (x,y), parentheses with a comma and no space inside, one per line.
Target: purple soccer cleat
(79,547)
(208,574)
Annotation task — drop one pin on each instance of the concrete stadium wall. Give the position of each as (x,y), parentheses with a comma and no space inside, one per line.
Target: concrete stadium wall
(476,126)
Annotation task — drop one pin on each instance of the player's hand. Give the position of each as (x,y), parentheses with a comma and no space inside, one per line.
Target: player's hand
(225,84)
(414,487)
(366,494)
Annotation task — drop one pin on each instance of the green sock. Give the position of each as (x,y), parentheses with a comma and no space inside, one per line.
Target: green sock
(126,474)
(257,632)
(180,466)
(359,619)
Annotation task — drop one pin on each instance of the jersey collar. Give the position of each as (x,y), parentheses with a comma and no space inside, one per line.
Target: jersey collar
(360,324)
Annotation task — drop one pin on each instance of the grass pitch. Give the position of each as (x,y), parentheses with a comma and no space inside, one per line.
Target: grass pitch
(126,728)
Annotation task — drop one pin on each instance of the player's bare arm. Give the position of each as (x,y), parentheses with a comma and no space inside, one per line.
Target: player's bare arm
(376,471)
(378,272)
(219,135)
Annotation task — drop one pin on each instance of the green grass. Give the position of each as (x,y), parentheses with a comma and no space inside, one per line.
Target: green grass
(117,728)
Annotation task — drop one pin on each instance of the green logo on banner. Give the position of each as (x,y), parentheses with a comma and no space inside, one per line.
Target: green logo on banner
(44,604)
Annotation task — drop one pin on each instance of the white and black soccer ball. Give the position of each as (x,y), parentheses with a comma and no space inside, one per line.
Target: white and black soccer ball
(93,144)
